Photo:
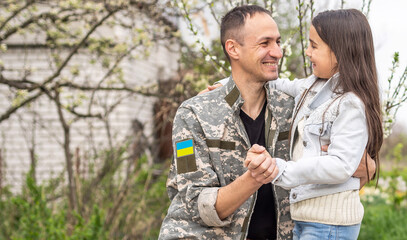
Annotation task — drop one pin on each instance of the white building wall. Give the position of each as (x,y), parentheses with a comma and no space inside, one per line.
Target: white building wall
(17,132)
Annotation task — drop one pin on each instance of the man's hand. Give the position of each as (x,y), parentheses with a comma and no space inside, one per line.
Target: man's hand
(361,171)
(210,88)
(261,165)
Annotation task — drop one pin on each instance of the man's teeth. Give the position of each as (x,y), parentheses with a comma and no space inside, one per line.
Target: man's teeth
(270,64)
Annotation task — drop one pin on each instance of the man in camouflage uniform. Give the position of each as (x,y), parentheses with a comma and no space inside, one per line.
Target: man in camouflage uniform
(213,194)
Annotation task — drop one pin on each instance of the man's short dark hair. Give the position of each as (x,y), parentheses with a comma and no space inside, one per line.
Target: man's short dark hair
(234,20)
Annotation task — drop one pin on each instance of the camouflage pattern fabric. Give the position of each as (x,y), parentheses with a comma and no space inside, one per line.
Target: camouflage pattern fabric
(220,144)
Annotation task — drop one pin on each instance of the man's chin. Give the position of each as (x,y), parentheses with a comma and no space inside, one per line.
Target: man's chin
(271,77)
(266,77)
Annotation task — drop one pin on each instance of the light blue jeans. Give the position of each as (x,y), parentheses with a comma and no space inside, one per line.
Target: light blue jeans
(319,231)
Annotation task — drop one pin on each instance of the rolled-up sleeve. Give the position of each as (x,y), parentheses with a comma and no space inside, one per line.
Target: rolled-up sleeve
(196,182)
(207,210)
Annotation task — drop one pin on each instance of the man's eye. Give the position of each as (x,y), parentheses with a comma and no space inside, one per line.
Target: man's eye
(264,43)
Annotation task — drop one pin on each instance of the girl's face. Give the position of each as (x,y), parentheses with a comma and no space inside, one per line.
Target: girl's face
(322,58)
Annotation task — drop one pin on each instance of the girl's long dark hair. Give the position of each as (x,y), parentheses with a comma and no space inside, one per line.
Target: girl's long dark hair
(348,35)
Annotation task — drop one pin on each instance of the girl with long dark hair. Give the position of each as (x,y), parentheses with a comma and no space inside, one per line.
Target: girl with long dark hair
(338,105)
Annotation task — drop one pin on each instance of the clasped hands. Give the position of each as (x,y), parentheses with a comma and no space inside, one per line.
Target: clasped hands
(263,168)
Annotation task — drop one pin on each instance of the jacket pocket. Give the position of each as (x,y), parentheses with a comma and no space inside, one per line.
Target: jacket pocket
(320,134)
(319,129)
(225,160)
(232,167)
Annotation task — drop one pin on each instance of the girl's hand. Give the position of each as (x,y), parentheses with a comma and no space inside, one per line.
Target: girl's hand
(210,88)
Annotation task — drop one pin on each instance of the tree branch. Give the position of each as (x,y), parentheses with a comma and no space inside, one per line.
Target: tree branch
(25,24)
(13,109)
(300,19)
(15,13)
(79,45)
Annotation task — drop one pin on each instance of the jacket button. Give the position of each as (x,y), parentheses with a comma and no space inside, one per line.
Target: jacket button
(294,195)
(304,143)
(320,130)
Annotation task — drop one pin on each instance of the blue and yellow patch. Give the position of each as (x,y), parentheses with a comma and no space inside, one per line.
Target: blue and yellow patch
(185,148)
(185,156)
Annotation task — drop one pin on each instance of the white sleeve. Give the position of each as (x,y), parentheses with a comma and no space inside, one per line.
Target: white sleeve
(349,137)
(292,88)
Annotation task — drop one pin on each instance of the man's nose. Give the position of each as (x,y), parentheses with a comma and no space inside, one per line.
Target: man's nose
(276,52)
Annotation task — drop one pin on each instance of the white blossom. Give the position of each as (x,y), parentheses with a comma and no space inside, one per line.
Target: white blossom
(3,47)
(235,2)
(384,183)
(288,51)
(180,5)
(401,184)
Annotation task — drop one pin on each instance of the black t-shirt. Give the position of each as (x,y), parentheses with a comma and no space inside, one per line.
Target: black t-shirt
(263,221)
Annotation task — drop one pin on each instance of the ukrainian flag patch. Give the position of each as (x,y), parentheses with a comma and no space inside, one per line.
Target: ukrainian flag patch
(185,148)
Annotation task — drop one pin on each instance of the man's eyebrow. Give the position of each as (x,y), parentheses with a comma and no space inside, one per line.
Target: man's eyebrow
(269,38)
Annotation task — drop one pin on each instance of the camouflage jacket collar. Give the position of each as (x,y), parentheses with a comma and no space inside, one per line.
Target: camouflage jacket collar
(281,106)
(233,96)
(277,101)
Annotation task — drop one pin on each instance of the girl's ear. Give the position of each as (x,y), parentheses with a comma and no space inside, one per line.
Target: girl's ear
(232,48)
(334,61)
(333,58)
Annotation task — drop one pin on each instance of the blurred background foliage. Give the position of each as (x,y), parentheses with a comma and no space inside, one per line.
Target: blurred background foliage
(124,195)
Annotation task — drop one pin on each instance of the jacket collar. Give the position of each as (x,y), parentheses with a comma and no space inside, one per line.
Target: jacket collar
(276,100)
(233,96)
(325,93)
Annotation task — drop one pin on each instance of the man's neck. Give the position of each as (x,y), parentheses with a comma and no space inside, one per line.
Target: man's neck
(253,94)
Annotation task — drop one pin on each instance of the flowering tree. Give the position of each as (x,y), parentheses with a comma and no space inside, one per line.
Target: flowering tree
(129,205)
(294,23)
(70,37)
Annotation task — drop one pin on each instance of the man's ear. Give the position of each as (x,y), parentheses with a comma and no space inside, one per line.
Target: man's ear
(233,49)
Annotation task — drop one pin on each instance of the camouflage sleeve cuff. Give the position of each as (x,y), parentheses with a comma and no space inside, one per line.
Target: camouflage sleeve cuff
(281,164)
(206,206)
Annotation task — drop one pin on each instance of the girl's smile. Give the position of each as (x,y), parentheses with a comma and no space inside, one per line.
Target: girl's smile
(324,63)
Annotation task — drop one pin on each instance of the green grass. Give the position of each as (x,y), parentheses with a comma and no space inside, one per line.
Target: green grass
(383,221)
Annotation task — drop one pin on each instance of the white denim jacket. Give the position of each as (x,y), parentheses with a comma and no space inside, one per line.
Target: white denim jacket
(344,128)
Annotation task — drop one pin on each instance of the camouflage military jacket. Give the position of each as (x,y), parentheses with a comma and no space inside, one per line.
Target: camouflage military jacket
(210,144)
